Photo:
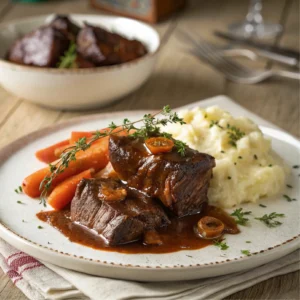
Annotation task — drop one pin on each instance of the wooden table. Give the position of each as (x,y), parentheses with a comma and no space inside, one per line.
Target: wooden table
(178,79)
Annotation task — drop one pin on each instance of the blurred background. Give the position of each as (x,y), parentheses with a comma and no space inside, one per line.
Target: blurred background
(179,78)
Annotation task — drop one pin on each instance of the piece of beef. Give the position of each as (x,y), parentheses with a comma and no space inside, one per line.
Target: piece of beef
(64,24)
(83,63)
(118,214)
(105,48)
(42,47)
(181,183)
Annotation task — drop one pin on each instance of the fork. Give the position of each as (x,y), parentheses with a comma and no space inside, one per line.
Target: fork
(232,70)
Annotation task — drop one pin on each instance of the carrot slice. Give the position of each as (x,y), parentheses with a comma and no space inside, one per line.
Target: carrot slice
(159,144)
(47,155)
(63,194)
(95,157)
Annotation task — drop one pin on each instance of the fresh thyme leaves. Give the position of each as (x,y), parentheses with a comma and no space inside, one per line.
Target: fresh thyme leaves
(288,198)
(289,186)
(20,202)
(248,242)
(270,165)
(40,227)
(228,177)
(151,126)
(269,220)
(222,151)
(239,214)
(255,156)
(234,134)
(296,167)
(180,146)
(262,205)
(68,60)
(240,157)
(213,123)
(222,245)
(245,252)
(19,190)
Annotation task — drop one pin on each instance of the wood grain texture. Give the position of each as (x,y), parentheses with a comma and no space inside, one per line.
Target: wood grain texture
(5,6)
(178,79)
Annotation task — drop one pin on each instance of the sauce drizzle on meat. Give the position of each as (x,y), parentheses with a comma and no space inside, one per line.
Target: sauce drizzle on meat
(179,235)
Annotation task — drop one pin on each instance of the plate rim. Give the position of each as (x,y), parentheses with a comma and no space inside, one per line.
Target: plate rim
(6,232)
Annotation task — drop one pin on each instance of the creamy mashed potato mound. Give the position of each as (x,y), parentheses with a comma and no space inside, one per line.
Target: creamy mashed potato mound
(246,167)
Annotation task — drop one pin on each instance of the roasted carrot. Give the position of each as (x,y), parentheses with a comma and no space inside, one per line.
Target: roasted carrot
(95,157)
(47,155)
(63,194)
(76,135)
(58,151)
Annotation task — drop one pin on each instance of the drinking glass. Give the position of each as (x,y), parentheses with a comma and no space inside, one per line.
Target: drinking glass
(254,26)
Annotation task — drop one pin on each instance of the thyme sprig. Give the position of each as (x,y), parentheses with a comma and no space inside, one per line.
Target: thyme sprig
(269,220)
(68,60)
(239,214)
(245,252)
(221,244)
(151,126)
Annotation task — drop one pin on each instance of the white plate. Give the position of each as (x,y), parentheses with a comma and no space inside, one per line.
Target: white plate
(17,161)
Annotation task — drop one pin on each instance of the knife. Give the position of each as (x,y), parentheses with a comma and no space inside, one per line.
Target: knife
(282,55)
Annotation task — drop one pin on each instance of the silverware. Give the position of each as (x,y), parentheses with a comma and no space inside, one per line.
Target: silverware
(232,70)
(282,55)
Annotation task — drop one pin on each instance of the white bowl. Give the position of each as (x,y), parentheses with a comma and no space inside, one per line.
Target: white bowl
(77,88)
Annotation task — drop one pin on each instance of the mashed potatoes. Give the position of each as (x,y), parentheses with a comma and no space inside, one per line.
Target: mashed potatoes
(246,168)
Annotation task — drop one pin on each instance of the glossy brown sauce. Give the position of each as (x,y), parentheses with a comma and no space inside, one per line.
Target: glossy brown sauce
(179,235)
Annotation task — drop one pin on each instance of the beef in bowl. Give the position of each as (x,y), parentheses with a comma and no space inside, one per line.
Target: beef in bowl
(83,61)
(63,44)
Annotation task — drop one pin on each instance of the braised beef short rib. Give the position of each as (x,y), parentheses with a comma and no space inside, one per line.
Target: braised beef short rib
(65,25)
(181,183)
(119,214)
(103,48)
(42,48)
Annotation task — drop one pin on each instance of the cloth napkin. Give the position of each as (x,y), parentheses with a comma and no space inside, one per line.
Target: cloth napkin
(40,281)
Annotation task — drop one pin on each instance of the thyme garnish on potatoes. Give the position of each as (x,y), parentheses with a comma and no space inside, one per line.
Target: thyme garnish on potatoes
(234,134)
(151,126)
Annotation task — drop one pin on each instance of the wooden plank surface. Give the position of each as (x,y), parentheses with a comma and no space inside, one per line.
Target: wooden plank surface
(177,79)
(5,6)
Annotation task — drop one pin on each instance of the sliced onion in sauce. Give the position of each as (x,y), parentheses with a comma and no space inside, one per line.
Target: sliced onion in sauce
(209,228)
